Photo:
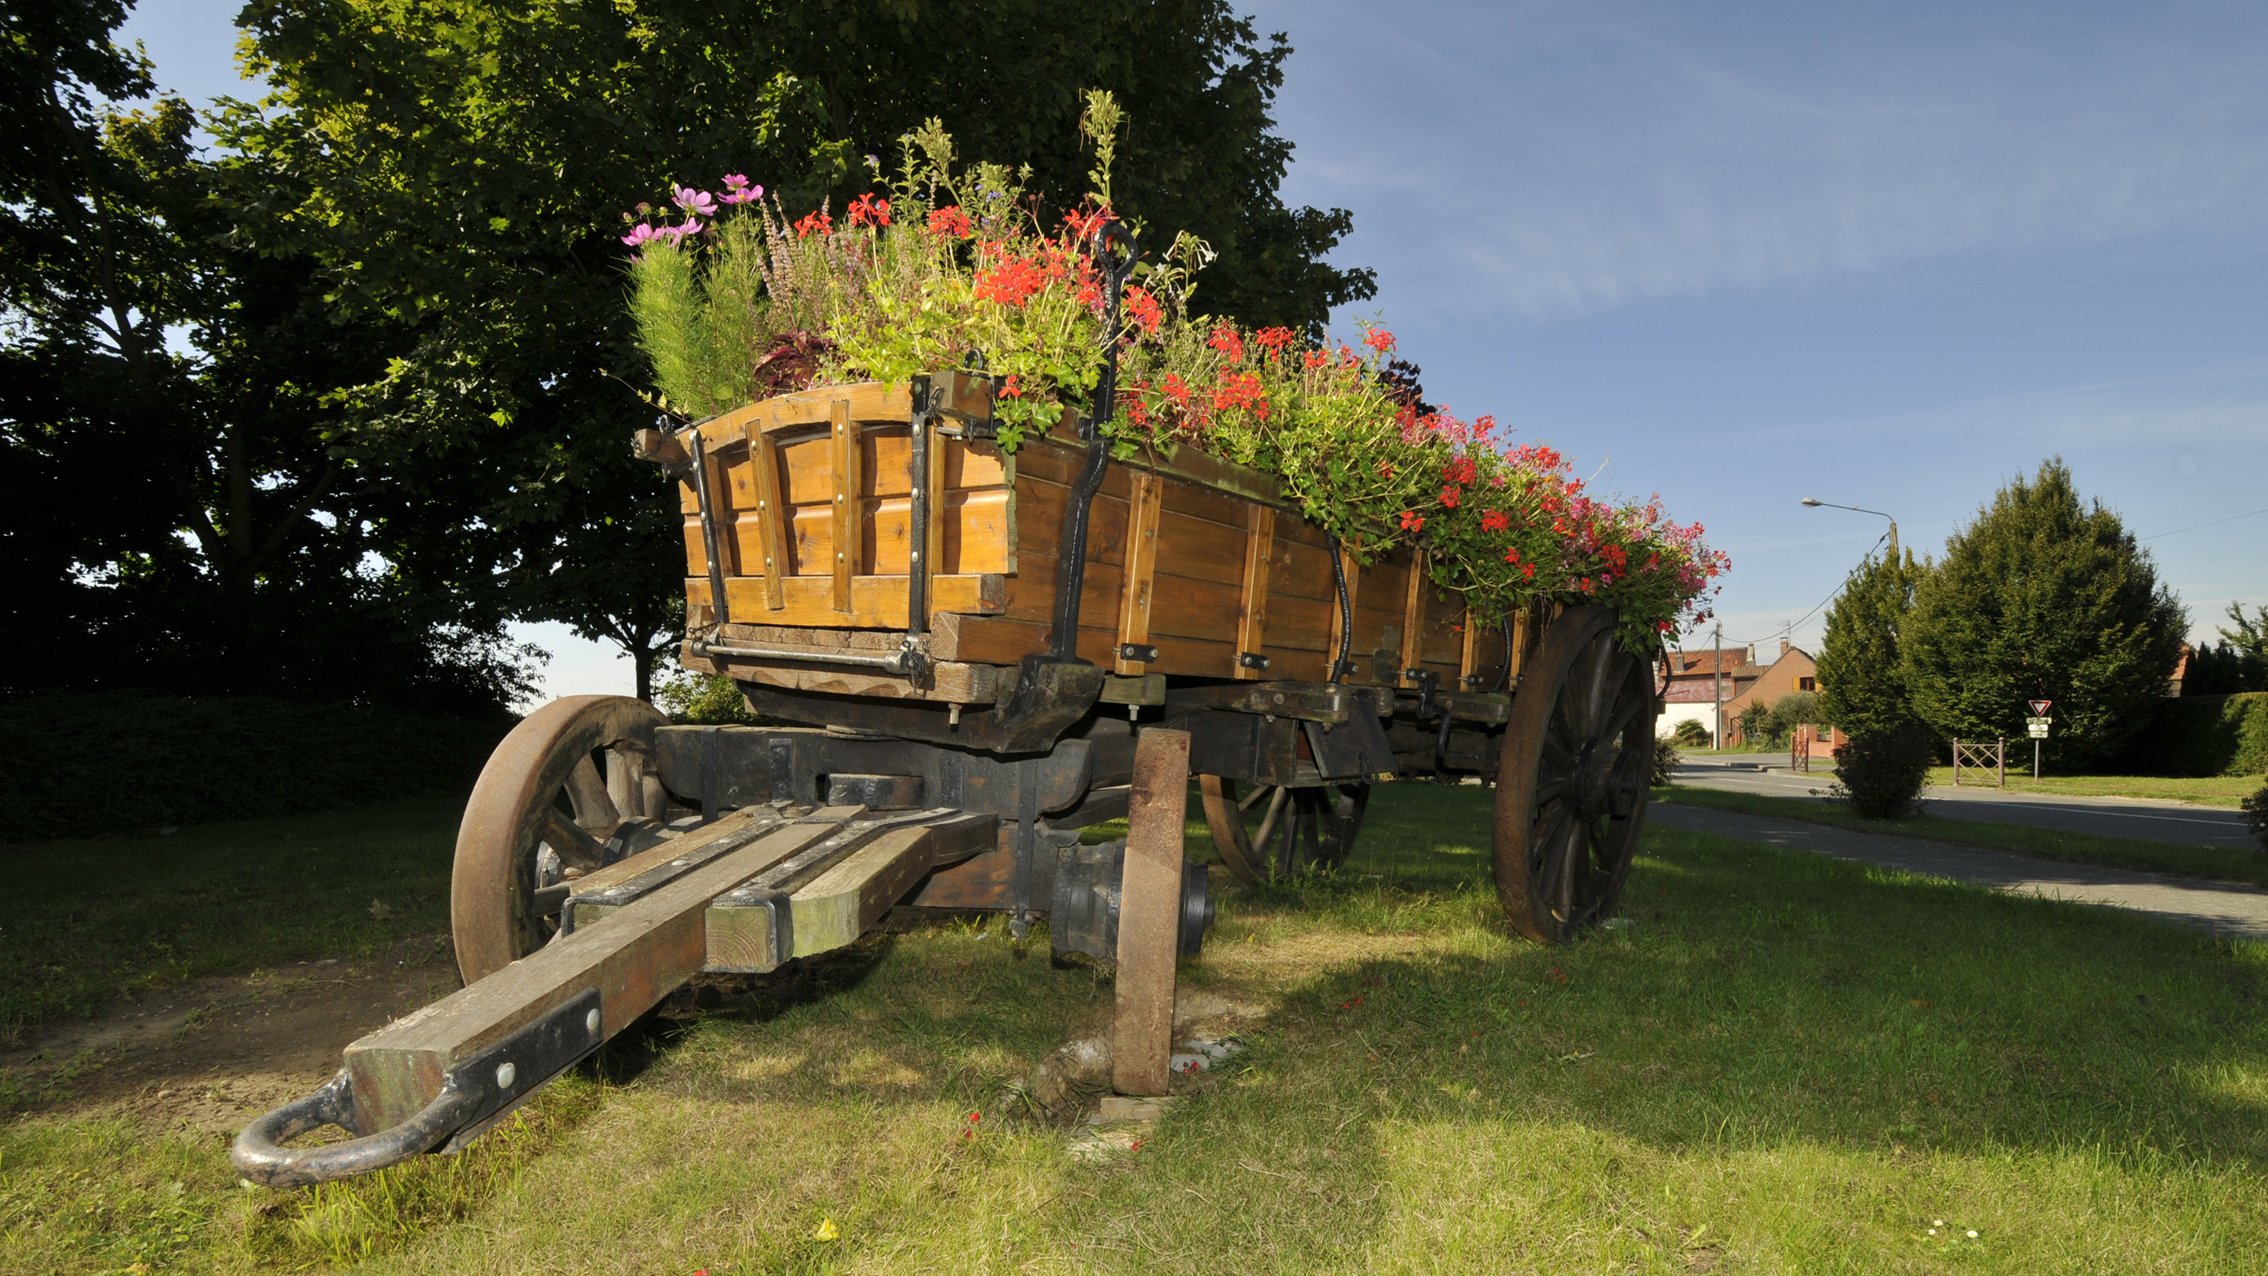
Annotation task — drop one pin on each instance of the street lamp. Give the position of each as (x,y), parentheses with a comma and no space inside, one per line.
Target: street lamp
(1815,501)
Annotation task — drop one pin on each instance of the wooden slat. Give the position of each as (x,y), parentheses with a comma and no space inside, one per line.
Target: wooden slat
(842,438)
(1413,615)
(940,511)
(771,517)
(997,641)
(1468,655)
(877,602)
(1252,601)
(1184,608)
(1137,591)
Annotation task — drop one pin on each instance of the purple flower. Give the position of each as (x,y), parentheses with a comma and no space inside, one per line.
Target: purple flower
(639,234)
(698,203)
(677,234)
(739,191)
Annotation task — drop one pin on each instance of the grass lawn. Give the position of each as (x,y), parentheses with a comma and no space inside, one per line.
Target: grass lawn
(93,918)
(2213,863)
(2208,790)
(1783,1063)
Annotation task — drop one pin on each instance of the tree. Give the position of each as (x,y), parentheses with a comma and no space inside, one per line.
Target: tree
(1862,685)
(2248,645)
(182,507)
(462,168)
(2042,597)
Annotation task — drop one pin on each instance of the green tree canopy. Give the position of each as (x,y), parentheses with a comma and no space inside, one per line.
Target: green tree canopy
(180,508)
(2043,596)
(462,168)
(1862,683)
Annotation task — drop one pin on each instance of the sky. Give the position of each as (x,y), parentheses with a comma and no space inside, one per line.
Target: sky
(1885,255)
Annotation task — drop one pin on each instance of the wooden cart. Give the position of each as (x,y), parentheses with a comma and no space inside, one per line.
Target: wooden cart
(973,656)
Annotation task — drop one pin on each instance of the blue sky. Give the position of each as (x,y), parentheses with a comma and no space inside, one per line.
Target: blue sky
(1885,255)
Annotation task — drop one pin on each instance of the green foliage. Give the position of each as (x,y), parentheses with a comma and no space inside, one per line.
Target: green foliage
(1862,683)
(2202,735)
(1797,709)
(2242,659)
(2256,816)
(1666,758)
(1758,730)
(2042,597)
(1691,734)
(117,762)
(687,696)
(1881,773)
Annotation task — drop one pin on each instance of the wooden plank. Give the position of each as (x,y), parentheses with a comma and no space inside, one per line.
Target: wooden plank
(1185,608)
(942,510)
(1200,548)
(645,949)
(997,641)
(1031,594)
(844,902)
(1135,595)
(1252,596)
(1413,616)
(1149,918)
(845,453)
(877,602)
(953,682)
(771,518)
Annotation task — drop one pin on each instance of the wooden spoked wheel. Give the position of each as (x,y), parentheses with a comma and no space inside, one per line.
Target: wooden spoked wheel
(1571,783)
(572,788)
(1268,831)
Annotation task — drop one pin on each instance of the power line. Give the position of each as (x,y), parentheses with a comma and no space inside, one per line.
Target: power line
(1789,628)
(2202,526)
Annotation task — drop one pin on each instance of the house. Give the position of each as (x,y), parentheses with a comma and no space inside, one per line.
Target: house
(1794,670)
(1695,685)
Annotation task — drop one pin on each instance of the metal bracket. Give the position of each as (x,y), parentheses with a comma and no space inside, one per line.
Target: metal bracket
(1137,651)
(500,1077)
(1251,660)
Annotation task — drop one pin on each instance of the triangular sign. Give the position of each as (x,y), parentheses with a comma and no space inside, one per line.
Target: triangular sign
(2040,708)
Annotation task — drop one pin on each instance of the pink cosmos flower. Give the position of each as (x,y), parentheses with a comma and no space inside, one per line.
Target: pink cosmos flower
(639,234)
(739,191)
(698,203)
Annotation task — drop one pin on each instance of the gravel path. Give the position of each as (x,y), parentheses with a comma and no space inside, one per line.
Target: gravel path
(2224,909)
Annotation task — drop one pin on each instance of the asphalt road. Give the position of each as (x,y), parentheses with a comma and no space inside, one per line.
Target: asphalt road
(2158,821)
(2217,907)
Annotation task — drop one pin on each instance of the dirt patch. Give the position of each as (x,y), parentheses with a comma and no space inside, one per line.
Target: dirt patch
(211,1054)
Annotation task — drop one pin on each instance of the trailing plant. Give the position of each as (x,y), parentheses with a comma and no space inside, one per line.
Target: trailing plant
(736,299)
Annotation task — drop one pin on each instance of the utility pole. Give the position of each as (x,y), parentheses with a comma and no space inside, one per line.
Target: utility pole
(1719,681)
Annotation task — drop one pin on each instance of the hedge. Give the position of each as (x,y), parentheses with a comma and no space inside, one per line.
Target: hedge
(92,763)
(2204,735)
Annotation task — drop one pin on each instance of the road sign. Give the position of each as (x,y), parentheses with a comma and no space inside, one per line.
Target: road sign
(2040,708)
(2039,727)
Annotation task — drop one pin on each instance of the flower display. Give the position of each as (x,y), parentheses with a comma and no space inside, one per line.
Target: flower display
(949,261)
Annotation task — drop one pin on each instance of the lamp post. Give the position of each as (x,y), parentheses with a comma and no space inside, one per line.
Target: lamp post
(1815,502)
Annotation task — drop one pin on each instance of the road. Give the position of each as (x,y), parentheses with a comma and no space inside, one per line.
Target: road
(2157,821)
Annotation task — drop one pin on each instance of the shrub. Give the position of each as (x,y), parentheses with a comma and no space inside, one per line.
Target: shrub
(2202,735)
(2256,815)
(1665,761)
(1881,774)
(1691,734)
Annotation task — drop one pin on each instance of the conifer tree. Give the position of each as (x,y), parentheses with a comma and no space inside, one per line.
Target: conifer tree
(1862,683)
(2042,597)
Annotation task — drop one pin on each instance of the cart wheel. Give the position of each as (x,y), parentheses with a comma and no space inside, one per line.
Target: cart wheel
(1571,788)
(570,789)
(1272,832)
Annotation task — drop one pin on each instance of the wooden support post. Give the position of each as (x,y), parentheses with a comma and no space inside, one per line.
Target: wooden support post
(771,516)
(1149,914)
(1141,568)
(1413,622)
(1252,604)
(842,437)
